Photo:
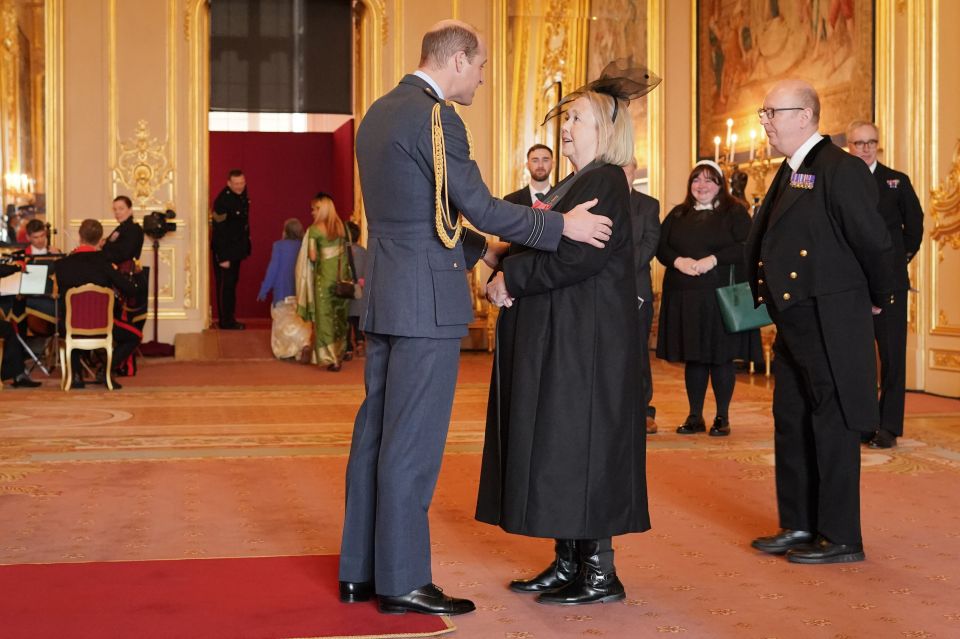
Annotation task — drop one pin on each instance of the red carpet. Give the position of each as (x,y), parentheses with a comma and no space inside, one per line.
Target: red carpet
(256,598)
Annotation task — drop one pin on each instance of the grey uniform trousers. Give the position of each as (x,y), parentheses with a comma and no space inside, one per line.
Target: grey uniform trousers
(395,456)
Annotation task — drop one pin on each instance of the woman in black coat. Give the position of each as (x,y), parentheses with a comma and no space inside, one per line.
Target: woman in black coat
(564,455)
(701,244)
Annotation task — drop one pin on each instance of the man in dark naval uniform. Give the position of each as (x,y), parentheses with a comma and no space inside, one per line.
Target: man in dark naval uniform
(230,245)
(123,248)
(645,220)
(903,216)
(125,243)
(416,172)
(539,164)
(819,256)
(89,265)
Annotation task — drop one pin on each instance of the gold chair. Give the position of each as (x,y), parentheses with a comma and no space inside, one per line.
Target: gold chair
(89,326)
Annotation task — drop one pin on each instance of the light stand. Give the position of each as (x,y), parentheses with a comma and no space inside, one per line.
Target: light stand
(156,348)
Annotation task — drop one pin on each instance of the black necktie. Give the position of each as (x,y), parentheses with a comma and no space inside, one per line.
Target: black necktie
(540,196)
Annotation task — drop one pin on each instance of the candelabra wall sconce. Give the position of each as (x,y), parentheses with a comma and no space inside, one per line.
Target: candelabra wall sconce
(736,158)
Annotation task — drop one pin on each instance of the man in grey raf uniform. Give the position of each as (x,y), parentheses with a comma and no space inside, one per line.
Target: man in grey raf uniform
(416,172)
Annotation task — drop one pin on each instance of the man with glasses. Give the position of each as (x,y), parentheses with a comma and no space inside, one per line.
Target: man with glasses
(903,217)
(818,255)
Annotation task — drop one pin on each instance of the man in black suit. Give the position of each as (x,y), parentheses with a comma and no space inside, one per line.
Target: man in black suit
(819,256)
(539,164)
(903,217)
(230,244)
(89,265)
(645,220)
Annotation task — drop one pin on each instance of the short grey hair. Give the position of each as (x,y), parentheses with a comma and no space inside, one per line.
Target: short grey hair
(856,124)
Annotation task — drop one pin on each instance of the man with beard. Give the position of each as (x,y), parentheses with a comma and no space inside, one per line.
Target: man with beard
(540,164)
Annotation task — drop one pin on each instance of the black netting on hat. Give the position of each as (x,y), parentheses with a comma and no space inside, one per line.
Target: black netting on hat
(621,79)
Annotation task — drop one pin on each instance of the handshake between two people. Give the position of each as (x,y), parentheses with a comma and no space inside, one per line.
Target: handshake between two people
(579,225)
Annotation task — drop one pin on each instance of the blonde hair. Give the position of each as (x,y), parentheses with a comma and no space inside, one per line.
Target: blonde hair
(614,137)
(332,225)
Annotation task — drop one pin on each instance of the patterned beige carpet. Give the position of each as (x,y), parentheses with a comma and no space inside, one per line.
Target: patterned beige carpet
(245,458)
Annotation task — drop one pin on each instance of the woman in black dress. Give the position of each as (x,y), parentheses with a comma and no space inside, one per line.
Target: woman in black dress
(565,448)
(701,242)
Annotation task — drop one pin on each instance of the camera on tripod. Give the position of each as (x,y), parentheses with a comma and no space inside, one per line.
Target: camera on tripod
(157,224)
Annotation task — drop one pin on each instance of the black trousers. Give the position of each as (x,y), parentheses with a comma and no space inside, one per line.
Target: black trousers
(890,327)
(817,457)
(226,281)
(646,376)
(13,353)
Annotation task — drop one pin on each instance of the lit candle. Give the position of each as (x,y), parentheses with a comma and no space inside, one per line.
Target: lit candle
(753,144)
(729,129)
(716,149)
(733,148)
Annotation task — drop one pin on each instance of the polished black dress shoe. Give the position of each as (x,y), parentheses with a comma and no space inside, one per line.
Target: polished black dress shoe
(355,591)
(233,326)
(866,438)
(782,541)
(883,439)
(428,600)
(23,381)
(77,382)
(101,379)
(595,583)
(720,428)
(823,551)
(562,571)
(693,424)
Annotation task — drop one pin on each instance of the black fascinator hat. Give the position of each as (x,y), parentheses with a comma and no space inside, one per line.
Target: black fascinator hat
(621,79)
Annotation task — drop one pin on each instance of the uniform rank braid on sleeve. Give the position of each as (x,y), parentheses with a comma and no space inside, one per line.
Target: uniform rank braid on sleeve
(536,230)
(443,221)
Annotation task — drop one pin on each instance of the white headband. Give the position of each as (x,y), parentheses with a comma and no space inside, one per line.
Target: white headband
(712,164)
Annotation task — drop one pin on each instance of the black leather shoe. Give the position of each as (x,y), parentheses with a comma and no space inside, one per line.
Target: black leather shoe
(693,424)
(355,591)
(101,379)
(883,439)
(23,381)
(428,600)
(782,541)
(720,428)
(823,551)
(865,438)
(562,571)
(233,326)
(77,382)
(593,584)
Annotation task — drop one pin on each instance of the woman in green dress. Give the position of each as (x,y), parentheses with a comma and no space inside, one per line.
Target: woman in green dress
(321,263)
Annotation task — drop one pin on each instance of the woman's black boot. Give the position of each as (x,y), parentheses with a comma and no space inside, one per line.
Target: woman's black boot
(562,571)
(595,583)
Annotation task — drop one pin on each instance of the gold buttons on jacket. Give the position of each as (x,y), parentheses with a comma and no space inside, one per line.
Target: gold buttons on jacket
(793,275)
(786,297)
(455,265)
(760,299)
(803,252)
(759,281)
(760,264)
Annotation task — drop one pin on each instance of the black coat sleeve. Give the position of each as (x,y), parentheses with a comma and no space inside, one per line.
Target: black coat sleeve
(127,246)
(666,254)
(912,214)
(535,272)
(649,216)
(853,205)
(473,244)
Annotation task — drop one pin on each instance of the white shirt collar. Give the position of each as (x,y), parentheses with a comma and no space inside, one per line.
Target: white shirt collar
(426,78)
(533,192)
(873,167)
(800,155)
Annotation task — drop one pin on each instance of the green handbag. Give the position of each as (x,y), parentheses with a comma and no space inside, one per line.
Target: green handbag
(737,310)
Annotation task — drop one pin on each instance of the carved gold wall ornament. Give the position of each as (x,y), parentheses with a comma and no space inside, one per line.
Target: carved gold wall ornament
(945,206)
(187,283)
(946,360)
(143,168)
